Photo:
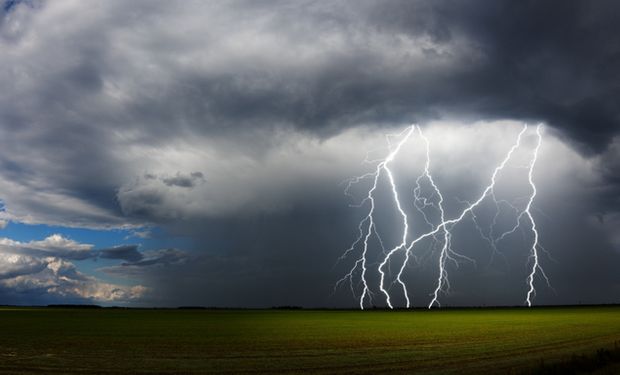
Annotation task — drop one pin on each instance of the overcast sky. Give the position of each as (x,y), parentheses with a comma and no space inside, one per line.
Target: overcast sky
(165,153)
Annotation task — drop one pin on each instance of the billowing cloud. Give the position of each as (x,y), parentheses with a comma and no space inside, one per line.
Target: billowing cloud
(90,98)
(221,122)
(184,181)
(26,277)
(54,245)
(13,265)
(61,279)
(35,268)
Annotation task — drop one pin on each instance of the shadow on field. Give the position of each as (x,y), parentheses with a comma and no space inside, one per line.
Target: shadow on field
(581,364)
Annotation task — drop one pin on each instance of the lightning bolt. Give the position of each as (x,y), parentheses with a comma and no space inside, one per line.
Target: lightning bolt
(443,229)
(534,249)
(527,213)
(367,225)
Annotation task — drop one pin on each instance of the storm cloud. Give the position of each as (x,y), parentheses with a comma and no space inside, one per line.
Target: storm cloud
(234,124)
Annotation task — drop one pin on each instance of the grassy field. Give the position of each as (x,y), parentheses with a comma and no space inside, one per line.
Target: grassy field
(44,340)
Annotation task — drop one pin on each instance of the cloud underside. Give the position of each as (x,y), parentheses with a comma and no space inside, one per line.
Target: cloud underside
(93,102)
(226,122)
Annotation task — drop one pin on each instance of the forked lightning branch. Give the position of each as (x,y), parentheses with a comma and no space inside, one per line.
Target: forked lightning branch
(429,203)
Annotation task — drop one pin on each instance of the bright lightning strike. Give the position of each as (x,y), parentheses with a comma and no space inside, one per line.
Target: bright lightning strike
(534,250)
(440,232)
(367,225)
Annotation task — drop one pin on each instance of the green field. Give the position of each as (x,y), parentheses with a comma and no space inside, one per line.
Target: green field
(53,340)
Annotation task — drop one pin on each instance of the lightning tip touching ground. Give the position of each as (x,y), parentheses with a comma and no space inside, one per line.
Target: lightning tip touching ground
(431,204)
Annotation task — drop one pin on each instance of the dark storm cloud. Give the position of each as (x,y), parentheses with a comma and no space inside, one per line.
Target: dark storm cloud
(163,256)
(152,263)
(281,259)
(554,61)
(106,118)
(128,253)
(150,74)
(291,259)
(185,181)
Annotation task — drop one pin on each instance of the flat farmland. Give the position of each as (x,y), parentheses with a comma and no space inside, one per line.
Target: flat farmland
(506,340)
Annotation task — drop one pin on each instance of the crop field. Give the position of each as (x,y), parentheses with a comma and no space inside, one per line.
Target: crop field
(64,340)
